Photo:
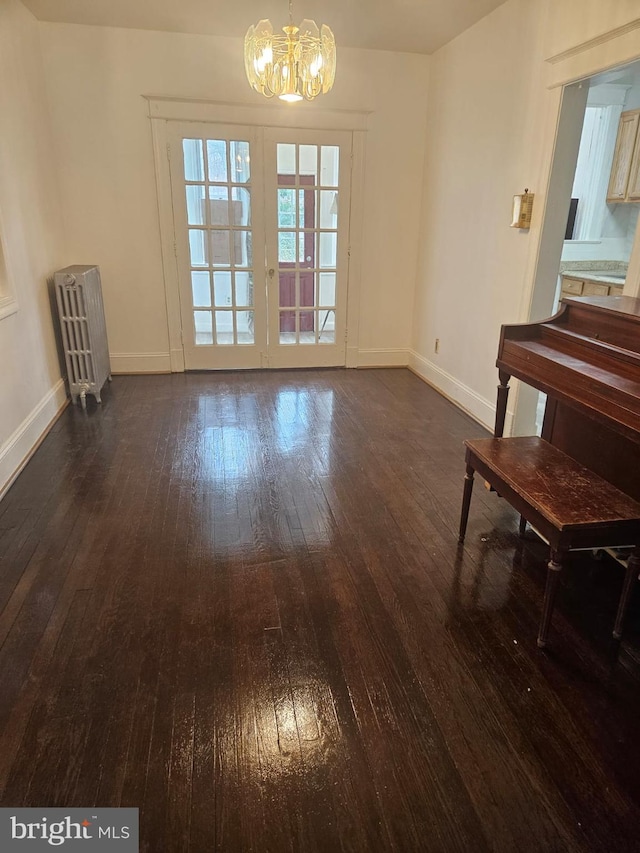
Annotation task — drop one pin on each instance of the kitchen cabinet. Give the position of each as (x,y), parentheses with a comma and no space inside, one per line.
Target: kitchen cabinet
(572,286)
(624,183)
(633,189)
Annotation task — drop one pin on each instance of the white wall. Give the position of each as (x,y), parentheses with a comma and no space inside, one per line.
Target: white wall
(31,390)
(573,22)
(481,150)
(96,78)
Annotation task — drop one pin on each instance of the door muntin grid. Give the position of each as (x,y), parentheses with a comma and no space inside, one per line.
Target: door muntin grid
(307,244)
(218,196)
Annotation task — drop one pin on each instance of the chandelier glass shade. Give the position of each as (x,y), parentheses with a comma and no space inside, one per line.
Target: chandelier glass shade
(298,63)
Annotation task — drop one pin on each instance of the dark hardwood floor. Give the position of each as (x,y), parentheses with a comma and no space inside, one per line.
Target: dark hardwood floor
(236,601)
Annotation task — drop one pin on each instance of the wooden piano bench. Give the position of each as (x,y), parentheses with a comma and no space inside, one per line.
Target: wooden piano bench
(569,505)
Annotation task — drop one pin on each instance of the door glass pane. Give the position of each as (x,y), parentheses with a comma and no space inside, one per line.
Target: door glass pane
(222,288)
(244,323)
(328,209)
(286,208)
(306,209)
(241,203)
(330,165)
(328,250)
(217,159)
(288,327)
(224,327)
(309,161)
(327,294)
(287,247)
(197,248)
(218,206)
(240,162)
(287,289)
(204,328)
(243,251)
(286,157)
(220,254)
(307,247)
(200,289)
(193,160)
(195,205)
(216,191)
(327,329)
(307,327)
(307,289)
(244,289)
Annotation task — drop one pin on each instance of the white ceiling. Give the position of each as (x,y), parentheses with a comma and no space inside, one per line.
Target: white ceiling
(416,26)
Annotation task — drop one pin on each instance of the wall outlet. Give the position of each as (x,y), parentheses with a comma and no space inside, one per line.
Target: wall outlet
(436,347)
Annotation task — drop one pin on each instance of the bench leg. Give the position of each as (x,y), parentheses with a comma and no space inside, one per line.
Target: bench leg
(466,502)
(501,403)
(553,577)
(633,568)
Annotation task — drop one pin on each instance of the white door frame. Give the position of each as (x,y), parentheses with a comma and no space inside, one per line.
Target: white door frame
(164,111)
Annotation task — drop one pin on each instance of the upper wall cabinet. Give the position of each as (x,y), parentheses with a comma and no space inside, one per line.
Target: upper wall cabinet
(624,183)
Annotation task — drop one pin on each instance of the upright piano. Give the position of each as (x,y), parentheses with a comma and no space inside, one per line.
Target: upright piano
(579,483)
(586,359)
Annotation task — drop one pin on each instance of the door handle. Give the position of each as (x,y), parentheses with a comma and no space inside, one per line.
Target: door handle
(271,272)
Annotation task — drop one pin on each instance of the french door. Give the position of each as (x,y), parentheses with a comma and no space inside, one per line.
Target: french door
(261,221)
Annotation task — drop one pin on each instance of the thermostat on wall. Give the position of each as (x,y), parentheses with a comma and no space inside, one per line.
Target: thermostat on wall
(522,209)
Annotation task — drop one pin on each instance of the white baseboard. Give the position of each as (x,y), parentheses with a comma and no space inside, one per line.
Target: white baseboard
(140,362)
(480,409)
(25,440)
(383,358)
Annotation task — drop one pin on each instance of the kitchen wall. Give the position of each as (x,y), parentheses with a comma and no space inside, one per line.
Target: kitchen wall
(31,388)
(96,78)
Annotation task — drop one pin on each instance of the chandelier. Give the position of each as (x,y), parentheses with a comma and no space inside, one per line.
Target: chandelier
(299,64)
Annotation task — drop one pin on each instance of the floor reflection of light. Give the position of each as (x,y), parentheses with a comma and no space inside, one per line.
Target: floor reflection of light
(229,441)
(304,418)
(291,738)
(266,457)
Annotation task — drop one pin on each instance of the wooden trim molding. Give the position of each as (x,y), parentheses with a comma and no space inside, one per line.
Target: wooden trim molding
(140,362)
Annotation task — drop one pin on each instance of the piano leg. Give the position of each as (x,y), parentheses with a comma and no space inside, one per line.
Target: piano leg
(523,525)
(501,403)
(633,568)
(553,576)
(466,502)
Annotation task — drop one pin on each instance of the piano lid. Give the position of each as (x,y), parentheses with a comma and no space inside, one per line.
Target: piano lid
(587,356)
(625,305)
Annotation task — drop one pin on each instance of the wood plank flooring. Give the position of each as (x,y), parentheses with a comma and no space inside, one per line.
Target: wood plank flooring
(236,601)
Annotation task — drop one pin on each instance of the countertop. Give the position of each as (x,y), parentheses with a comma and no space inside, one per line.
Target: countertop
(589,275)
(605,272)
